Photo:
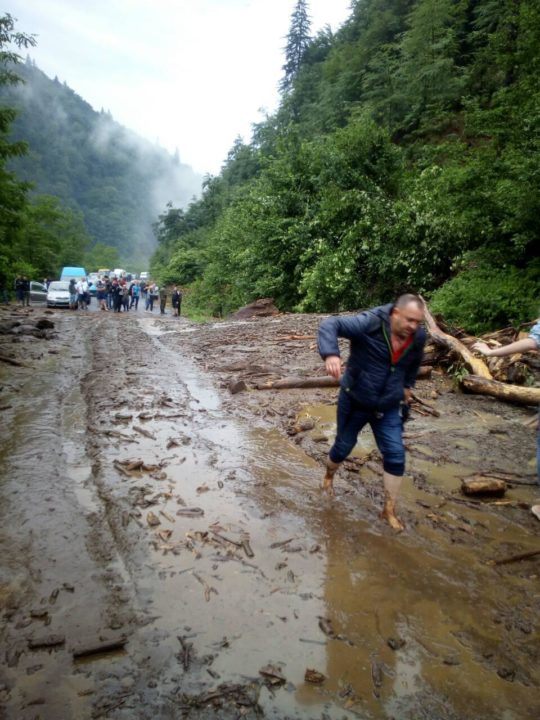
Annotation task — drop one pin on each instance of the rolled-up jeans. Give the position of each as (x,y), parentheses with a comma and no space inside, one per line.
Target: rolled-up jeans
(387,428)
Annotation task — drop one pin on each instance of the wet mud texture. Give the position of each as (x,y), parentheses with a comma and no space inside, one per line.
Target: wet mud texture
(166,551)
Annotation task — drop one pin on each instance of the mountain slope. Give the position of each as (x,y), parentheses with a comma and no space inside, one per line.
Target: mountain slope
(118,180)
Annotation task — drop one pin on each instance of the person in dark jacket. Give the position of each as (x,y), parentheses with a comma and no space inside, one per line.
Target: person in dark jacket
(386,348)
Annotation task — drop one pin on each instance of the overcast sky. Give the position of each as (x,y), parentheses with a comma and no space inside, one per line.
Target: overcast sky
(189,74)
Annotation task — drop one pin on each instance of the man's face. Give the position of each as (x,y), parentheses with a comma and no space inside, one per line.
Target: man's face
(405,321)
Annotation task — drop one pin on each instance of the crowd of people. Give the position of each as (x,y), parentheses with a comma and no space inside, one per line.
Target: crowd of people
(121,295)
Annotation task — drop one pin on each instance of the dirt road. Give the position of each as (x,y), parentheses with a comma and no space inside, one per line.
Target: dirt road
(166,552)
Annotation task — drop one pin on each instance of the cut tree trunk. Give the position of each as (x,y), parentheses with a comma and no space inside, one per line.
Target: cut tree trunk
(439,337)
(511,393)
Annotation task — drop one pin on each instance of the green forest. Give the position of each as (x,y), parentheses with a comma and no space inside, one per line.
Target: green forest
(403,157)
(77,187)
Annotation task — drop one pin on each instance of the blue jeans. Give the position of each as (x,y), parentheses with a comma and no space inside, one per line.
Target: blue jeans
(387,428)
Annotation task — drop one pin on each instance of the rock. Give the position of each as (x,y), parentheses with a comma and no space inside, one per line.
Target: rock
(314,677)
(481,485)
(236,386)
(44,324)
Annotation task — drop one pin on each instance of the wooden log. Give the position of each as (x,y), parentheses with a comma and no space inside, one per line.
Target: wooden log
(439,337)
(324,381)
(511,393)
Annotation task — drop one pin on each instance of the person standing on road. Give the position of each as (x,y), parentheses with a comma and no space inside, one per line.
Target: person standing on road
(109,292)
(519,346)
(19,292)
(386,348)
(82,294)
(176,301)
(101,293)
(116,290)
(72,294)
(135,292)
(26,290)
(162,299)
(150,294)
(125,295)
(3,289)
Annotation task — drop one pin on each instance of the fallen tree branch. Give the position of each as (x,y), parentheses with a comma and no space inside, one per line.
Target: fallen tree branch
(439,337)
(511,393)
(11,361)
(516,558)
(323,381)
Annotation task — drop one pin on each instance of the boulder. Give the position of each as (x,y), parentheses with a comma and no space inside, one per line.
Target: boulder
(264,307)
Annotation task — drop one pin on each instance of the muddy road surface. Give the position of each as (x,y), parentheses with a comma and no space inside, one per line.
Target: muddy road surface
(165,551)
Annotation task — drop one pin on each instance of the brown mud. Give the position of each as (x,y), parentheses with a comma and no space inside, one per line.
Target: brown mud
(166,551)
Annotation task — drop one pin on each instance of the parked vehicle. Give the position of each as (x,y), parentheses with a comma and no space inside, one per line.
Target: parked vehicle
(144,275)
(38,292)
(58,295)
(72,272)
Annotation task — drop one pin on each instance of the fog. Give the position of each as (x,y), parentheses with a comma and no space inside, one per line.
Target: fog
(120,181)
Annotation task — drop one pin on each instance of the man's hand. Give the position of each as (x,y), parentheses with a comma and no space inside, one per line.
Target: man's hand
(407,395)
(333,366)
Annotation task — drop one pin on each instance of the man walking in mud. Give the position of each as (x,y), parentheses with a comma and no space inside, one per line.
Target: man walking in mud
(386,347)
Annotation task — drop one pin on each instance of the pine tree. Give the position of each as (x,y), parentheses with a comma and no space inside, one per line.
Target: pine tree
(298,40)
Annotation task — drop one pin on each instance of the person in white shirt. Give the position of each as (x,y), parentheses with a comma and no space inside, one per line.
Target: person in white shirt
(82,294)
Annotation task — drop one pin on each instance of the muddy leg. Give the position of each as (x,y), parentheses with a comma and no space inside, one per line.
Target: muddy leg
(392,484)
(328,479)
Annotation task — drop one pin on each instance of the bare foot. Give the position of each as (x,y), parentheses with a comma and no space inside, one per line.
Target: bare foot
(391,518)
(328,485)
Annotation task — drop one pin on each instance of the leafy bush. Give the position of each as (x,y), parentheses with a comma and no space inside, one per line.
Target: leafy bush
(485,297)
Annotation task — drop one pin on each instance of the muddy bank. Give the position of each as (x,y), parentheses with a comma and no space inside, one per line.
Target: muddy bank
(166,551)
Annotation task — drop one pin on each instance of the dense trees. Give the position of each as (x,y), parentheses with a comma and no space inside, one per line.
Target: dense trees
(403,156)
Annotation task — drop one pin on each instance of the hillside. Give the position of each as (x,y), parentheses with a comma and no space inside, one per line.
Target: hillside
(403,157)
(119,181)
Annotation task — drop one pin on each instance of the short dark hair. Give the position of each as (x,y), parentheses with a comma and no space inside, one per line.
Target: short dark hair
(404,300)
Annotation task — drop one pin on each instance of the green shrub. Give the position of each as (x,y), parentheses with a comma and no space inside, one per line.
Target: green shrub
(485,297)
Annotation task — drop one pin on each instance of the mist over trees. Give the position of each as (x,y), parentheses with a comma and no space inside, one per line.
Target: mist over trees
(403,156)
(109,181)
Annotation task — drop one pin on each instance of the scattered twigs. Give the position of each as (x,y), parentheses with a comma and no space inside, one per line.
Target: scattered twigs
(144,432)
(185,655)
(431,410)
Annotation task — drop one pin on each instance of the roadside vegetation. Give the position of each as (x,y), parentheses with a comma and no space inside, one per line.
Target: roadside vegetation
(403,156)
